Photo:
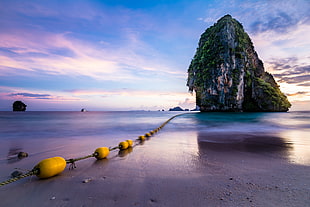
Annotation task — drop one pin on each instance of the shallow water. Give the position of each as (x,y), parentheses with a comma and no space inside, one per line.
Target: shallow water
(74,134)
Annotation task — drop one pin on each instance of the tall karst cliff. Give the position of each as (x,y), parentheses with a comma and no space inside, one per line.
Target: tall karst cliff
(227,74)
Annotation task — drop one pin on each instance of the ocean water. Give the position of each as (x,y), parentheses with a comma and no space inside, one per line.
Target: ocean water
(74,134)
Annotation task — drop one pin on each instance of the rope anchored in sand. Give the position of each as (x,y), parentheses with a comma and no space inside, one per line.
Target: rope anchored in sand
(55,165)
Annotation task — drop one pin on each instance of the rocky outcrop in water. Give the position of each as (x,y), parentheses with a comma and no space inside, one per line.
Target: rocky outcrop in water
(19,106)
(227,74)
(176,109)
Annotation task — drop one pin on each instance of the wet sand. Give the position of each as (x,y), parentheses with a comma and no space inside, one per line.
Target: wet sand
(176,169)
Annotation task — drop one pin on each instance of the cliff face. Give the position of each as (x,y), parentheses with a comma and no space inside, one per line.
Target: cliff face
(227,74)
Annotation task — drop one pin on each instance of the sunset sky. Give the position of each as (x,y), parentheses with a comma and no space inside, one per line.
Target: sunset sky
(134,55)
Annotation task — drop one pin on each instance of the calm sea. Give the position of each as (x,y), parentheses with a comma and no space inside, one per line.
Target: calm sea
(72,134)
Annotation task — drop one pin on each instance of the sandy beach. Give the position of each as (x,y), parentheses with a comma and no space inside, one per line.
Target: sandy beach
(171,169)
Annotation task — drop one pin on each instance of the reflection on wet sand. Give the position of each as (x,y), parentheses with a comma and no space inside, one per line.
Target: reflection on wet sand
(123,153)
(301,140)
(242,142)
(15,154)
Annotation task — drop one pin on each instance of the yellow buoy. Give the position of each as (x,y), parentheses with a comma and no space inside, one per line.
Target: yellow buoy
(123,145)
(130,142)
(147,135)
(50,167)
(101,153)
(141,138)
(152,132)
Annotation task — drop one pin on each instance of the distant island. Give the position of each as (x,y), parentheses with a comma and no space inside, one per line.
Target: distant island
(178,108)
(227,74)
(19,106)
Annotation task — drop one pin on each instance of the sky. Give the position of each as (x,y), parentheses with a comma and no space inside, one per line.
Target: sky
(134,55)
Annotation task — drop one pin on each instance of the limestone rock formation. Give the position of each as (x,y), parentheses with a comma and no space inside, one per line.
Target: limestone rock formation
(19,106)
(227,74)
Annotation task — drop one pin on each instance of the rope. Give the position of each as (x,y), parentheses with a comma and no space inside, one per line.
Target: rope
(30,173)
(80,158)
(72,161)
(113,148)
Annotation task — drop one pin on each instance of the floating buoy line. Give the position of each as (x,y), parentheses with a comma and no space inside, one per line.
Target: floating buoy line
(55,165)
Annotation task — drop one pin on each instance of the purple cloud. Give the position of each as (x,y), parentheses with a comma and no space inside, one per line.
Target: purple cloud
(289,71)
(32,95)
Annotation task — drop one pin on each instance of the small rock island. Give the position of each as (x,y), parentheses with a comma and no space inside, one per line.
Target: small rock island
(19,106)
(227,74)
